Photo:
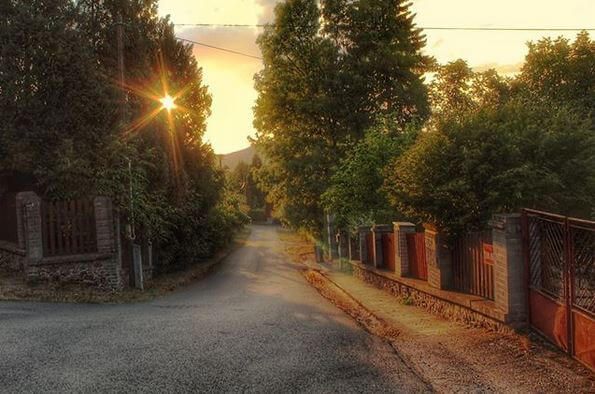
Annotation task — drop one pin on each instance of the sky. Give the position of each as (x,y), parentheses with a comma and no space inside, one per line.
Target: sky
(230,77)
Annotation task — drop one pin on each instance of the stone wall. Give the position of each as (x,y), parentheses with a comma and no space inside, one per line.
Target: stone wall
(12,259)
(433,304)
(97,272)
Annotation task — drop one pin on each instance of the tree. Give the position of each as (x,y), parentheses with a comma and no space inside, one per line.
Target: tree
(356,195)
(53,102)
(560,71)
(62,120)
(497,160)
(323,85)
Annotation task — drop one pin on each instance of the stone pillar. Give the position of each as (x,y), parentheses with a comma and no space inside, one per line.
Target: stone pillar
(29,222)
(401,230)
(363,231)
(439,259)
(510,292)
(104,225)
(108,233)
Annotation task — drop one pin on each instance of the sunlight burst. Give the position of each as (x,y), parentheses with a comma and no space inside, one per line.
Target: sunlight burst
(168,102)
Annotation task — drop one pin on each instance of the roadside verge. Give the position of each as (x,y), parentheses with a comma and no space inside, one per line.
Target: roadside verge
(16,289)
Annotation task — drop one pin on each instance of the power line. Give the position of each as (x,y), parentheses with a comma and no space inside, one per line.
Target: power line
(460,28)
(219,48)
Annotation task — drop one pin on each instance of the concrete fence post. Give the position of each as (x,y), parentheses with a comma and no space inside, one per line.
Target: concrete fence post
(439,259)
(510,292)
(29,221)
(401,230)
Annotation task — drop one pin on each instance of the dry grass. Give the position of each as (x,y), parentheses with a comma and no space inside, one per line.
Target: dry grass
(16,289)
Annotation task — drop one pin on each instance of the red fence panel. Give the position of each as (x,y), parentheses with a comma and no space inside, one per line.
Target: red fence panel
(388,251)
(473,264)
(370,247)
(416,251)
(560,257)
(68,227)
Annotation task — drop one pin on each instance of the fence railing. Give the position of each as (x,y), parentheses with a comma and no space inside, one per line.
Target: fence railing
(473,264)
(68,227)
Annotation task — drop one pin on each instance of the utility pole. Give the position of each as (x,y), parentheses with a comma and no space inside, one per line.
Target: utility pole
(136,253)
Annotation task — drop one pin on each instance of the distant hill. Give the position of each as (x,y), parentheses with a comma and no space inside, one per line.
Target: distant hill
(231,160)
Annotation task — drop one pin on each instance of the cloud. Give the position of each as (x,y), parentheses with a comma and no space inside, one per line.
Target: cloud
(505,69)
(268,7)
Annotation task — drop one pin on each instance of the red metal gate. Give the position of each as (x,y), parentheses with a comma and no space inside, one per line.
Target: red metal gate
(388,251)
(416,251)
(473,264)
(559,254)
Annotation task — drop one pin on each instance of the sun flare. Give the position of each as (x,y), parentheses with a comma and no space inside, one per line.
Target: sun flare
(168,102)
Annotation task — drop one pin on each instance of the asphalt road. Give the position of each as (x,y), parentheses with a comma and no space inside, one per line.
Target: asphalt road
(255,325)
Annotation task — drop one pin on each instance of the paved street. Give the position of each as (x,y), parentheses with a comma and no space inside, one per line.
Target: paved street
(255,325)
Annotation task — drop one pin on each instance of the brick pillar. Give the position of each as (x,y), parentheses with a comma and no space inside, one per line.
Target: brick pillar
(510,290)
(104,224)
(107,231)
(29,224)
(401,230)
(363,231)
(439,259)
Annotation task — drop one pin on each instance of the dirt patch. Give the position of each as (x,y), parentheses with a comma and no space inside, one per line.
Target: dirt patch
(15,288)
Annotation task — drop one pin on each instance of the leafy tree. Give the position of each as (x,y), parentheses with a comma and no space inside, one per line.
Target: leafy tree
(497,160)
(356,194)
(53,102)
(62,118)
(330,70)
(561,71)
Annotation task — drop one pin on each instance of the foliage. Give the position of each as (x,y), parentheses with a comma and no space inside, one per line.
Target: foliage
(329,71)
(66,119)
(243,180)
(560,71)
(497,160)
(356,195)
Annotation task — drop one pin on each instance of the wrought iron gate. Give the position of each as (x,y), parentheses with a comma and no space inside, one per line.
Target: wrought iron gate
(559,255)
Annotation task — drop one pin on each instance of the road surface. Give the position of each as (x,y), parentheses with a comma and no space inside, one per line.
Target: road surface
(255,325)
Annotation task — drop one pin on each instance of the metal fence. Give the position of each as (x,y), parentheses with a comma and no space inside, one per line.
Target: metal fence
(473,264)
(559,254)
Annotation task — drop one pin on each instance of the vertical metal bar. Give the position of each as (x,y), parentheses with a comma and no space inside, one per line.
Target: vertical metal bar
(568,263)
(526,257)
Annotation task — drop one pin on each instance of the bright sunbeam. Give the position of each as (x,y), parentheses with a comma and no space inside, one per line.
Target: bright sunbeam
(168,102)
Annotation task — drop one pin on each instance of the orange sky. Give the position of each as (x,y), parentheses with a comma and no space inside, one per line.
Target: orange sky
(230,77)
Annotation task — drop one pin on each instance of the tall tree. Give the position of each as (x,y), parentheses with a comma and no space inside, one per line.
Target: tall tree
(329,71)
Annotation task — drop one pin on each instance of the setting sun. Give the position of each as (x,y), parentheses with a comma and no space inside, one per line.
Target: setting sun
(168,102)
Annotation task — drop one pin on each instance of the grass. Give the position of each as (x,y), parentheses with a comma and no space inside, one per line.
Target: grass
(159,286)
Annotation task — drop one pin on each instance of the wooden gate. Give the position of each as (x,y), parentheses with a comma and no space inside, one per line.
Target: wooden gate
(559,254)
(473,264)
(68,227)
(416,252)
(388,251)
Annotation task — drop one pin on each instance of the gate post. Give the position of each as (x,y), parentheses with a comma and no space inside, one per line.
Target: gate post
(401,252)
(510,292)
